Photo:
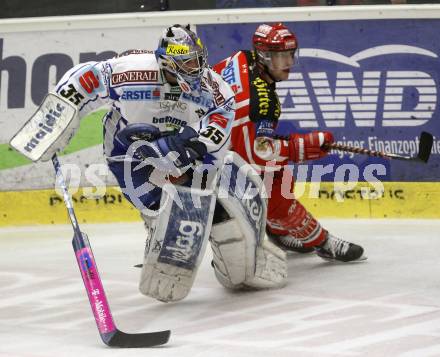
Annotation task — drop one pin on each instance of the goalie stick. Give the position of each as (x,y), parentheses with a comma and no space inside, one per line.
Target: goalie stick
(425,146)
(101,310)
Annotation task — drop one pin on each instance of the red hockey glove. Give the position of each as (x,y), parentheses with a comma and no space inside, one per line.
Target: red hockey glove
(311,146)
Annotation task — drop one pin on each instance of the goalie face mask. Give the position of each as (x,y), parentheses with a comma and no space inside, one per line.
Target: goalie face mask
(181,53)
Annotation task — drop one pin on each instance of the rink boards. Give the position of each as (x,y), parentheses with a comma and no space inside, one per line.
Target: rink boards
(368,74)
(397,200)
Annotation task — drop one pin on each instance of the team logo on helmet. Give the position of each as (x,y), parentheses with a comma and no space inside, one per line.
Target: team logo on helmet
(263,30)
(176,50)
(274,38)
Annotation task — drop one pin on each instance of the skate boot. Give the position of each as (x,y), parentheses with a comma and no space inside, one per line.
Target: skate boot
(289,243)
(335,249)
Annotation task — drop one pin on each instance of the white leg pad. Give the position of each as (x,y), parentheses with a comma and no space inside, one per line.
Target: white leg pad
(161,281)
(240,263)
(175,246)
(165,282)
(229,252)
(271,267)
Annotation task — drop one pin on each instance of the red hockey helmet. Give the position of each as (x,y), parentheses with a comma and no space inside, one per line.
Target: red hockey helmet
(274,38)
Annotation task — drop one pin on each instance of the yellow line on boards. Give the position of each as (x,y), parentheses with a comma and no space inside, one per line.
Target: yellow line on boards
(324,200)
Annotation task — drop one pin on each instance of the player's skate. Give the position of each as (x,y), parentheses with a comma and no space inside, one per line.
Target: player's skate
(335,249)
(289,243)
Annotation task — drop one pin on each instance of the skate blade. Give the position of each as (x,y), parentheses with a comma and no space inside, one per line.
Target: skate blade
(362,258)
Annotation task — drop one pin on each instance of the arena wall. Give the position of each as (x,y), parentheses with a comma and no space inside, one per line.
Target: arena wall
(367,73)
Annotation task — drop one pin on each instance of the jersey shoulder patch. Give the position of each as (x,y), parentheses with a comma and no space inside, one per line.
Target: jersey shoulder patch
(135,69)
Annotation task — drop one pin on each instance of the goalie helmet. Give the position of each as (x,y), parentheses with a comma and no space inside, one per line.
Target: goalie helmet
(270,41)
(181,53)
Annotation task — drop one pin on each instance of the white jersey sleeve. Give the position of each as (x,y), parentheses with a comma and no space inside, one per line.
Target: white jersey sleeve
(86,86)
(49,130)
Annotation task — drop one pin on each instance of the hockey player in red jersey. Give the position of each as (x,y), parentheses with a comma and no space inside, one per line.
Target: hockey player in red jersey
(253,76)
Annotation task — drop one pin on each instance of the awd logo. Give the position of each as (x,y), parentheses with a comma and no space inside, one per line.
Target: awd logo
(369,98)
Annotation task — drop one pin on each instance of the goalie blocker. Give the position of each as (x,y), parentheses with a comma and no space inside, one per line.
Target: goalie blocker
(243,257)
(48,130)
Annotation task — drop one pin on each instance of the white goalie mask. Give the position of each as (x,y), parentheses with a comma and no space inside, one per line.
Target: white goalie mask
(181,53)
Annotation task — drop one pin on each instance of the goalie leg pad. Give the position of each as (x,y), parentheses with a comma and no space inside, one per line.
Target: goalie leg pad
(243,257)
(270,267)
(177,244)
(229,253)
(240,263)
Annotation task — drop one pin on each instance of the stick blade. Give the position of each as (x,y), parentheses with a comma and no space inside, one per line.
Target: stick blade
(139,340)
(425,146)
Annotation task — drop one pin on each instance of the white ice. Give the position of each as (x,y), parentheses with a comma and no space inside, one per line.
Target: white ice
(387,306)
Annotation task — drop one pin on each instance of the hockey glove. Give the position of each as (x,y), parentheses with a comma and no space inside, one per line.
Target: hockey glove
(311,146)
(167,152)
(185,143)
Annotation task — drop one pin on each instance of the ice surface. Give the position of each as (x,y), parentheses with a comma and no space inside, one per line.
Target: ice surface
(389,305)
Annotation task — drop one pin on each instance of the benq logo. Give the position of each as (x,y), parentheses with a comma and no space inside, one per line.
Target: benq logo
(370,98)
